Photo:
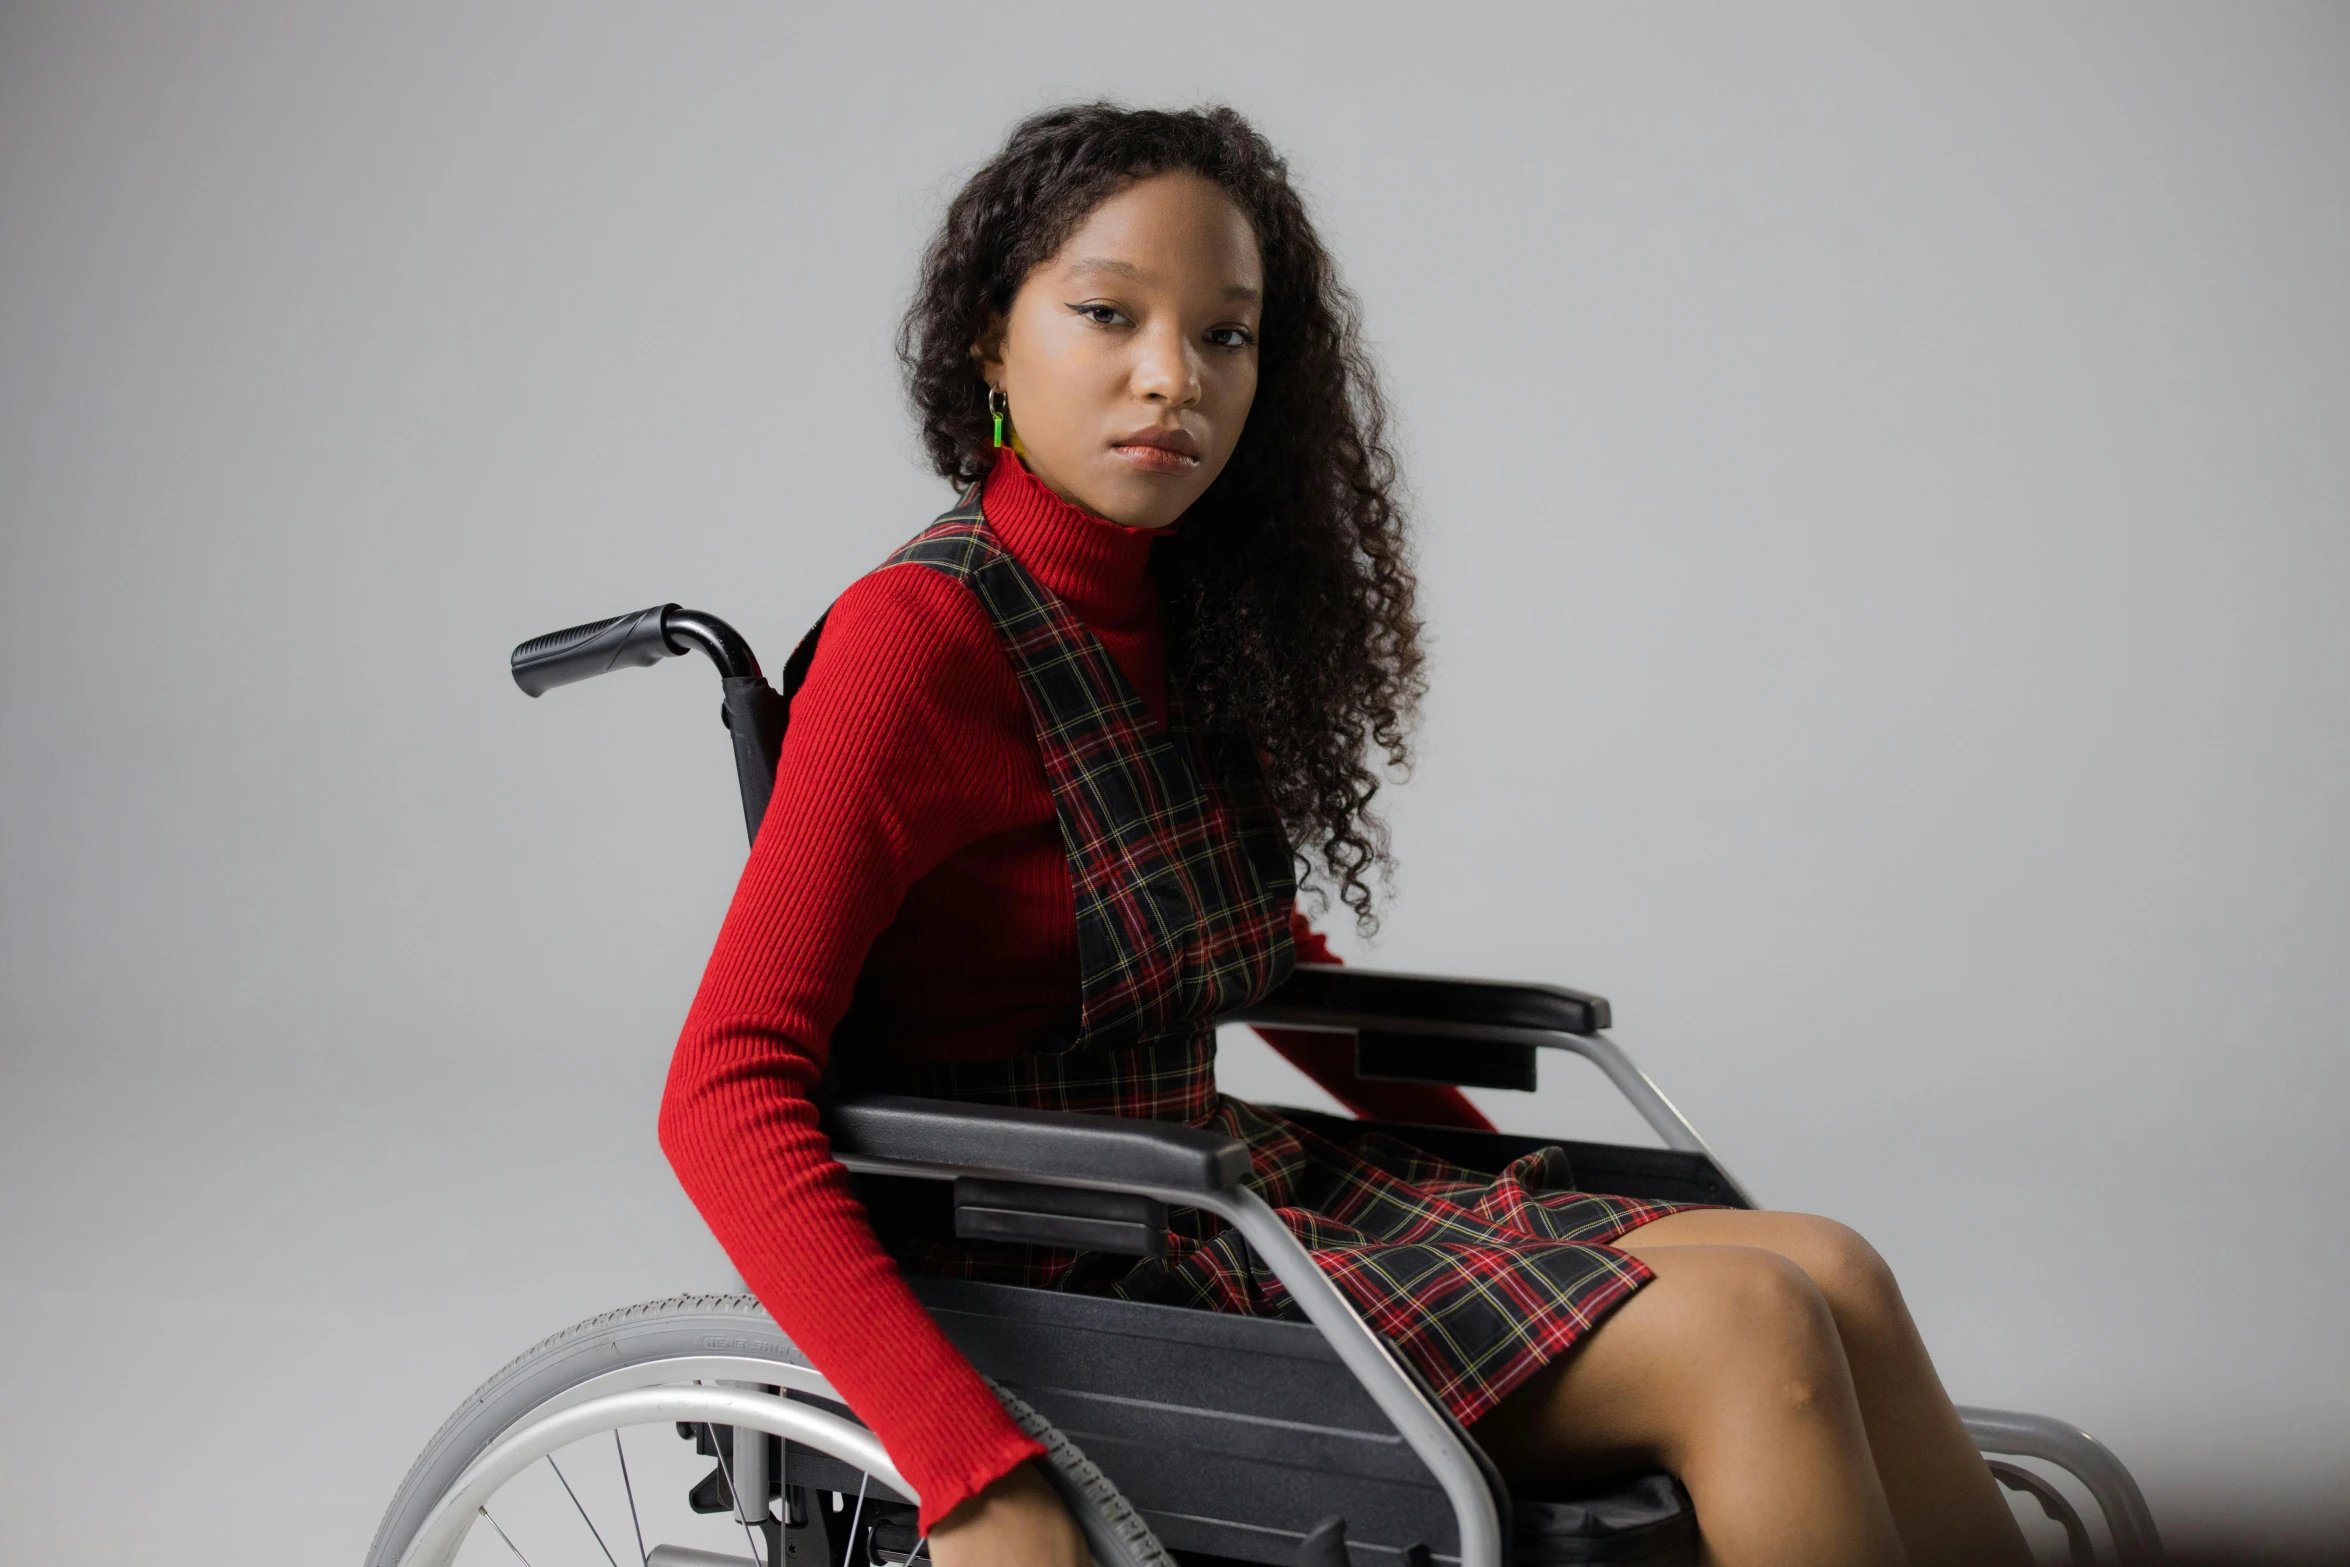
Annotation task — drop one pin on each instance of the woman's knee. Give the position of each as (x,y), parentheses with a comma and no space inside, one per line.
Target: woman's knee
(1748,1322)
(1857,1282)
(1722,1340)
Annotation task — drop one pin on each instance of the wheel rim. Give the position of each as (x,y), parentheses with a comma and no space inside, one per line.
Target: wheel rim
(596,1407)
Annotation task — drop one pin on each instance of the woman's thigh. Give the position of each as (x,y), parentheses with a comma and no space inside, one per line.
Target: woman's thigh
(1764,1227)
(1856,1281)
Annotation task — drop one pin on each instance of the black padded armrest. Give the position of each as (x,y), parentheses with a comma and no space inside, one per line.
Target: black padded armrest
(1041,1143)
(1374,996)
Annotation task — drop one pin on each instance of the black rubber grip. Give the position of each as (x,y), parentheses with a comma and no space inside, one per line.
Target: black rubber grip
(583,652)
(1404,999)
(1116,1149)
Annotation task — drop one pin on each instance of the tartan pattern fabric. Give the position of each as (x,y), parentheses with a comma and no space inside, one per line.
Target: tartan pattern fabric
(1181,871)
(1169,1080)
(1184,885)
(1477,1279)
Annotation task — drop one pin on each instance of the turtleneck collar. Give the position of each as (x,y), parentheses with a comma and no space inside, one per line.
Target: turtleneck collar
(1099,568)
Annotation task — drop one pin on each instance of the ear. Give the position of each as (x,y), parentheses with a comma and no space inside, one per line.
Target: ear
(988,351)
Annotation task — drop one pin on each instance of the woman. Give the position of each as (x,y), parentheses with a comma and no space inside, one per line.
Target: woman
(1036,824)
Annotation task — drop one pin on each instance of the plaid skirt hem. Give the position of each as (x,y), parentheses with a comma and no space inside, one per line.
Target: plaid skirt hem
(1478,1279)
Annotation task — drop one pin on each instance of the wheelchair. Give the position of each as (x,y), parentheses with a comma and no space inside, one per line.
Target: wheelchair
(1177,1436)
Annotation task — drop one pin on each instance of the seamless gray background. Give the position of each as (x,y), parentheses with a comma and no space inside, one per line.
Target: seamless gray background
(1882,478)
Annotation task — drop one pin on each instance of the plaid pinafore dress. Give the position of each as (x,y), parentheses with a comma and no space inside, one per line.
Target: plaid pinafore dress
(1184,886)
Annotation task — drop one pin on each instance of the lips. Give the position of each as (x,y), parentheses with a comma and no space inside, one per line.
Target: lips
(1159,451)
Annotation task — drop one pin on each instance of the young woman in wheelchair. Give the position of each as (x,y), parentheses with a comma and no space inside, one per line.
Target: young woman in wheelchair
(1035,825)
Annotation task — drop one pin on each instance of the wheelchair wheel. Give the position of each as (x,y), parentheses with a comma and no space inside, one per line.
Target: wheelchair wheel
(591,1448)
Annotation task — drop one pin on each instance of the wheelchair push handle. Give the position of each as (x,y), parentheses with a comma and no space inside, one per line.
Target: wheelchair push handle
(753,712)
(582,652)
(561,658)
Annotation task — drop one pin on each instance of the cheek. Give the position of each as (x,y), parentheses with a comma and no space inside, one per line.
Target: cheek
(1068,379)
(1072,365)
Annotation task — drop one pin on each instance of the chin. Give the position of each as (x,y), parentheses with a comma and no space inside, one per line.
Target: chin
(1141,501)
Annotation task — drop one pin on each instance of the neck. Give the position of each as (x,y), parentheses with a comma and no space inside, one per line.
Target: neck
(1099,568)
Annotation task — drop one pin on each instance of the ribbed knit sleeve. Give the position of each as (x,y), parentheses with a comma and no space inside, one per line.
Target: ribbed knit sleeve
(875,786)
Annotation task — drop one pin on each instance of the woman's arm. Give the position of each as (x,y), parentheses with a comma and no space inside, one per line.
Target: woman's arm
(1329,1059)
(861,810)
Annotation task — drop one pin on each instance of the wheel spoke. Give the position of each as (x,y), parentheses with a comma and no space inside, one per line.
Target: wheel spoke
(509,1539)
(643,1556)
(583,1512)
(863,1481)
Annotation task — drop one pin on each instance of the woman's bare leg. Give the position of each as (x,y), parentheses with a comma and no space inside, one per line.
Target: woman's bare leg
(1944,1501)
(1725,1369)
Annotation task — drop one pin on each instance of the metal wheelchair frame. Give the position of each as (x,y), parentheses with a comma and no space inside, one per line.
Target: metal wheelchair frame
(1492,1029)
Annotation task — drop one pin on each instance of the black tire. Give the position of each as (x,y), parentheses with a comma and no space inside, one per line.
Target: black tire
(685,1326)
(1113,1529)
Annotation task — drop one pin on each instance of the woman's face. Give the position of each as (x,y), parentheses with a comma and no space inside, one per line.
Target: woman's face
(1130,358)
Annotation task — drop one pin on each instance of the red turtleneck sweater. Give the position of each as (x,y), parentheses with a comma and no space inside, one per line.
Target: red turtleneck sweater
(911,861)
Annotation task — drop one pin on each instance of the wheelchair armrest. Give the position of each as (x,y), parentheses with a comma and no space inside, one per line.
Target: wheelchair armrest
(1332,996)
(877,1130)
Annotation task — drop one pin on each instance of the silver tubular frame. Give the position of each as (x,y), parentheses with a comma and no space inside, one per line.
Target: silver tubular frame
(2075,1451)
(444,1530)
(650,1393)
(1364,1353)
(2087,1460)
(747,1477)
(1663,1116)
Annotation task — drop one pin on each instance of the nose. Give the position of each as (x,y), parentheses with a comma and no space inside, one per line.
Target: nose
(1166,367)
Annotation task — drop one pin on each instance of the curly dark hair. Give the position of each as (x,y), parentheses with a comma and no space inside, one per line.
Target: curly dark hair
(1287,593)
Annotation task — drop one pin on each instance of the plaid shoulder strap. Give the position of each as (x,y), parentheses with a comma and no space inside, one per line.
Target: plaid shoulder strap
(1182,874)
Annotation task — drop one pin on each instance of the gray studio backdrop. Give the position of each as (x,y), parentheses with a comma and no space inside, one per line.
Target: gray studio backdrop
(1882,482)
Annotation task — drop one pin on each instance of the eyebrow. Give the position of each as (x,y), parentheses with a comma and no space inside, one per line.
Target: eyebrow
(1109,264)
(1134,274)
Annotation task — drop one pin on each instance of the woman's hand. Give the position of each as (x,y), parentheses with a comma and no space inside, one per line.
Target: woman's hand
(1016,1522)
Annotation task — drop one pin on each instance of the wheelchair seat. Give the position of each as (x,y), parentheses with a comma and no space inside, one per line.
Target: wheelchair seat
(1245,1439)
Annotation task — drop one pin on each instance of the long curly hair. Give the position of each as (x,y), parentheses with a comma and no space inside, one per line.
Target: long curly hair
(1287,593)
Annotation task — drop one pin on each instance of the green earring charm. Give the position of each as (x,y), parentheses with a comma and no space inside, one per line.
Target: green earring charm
(997,406)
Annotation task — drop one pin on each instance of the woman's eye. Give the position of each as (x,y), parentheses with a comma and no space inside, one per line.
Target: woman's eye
(1231,336)
(1100,315)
